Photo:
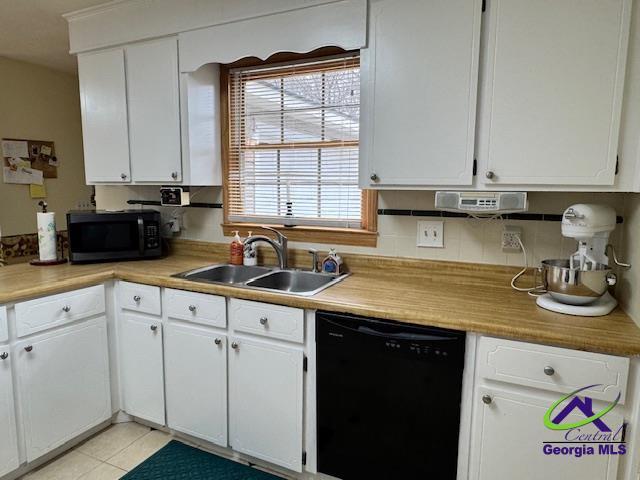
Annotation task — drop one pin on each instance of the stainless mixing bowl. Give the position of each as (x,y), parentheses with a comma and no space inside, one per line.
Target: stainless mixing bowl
(573,286)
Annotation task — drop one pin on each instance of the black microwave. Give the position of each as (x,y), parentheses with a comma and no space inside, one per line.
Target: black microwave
(99,236)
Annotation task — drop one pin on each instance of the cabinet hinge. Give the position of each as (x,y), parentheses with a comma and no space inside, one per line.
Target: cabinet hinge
(484,5)
(475,167)
(304,458)
(305,363)
(617,163)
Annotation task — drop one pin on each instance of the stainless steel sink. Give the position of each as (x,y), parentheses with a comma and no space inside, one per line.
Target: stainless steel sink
(230,274)
(295,281)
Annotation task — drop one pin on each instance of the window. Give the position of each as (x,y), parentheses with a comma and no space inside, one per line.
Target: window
(292,153)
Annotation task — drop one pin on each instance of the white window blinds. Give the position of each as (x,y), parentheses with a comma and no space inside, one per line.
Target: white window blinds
(294,133)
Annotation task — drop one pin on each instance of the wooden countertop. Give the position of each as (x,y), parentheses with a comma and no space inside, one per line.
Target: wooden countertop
(469,297)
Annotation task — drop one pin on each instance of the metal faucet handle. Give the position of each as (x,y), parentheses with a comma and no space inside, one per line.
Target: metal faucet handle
(314,259)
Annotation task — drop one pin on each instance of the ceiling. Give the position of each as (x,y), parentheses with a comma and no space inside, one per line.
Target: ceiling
(34,31)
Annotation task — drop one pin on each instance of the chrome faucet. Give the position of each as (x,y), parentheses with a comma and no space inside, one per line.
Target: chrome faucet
(279,245)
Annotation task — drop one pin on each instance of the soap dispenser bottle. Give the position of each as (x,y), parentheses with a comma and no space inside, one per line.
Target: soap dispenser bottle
(236,250)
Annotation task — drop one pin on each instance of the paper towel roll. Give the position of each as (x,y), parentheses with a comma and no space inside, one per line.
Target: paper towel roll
(47,236)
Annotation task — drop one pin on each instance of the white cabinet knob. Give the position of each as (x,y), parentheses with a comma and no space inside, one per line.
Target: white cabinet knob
(66,308)
(137,298)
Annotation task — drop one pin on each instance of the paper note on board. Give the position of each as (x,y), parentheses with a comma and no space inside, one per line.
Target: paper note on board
(38,191)
(45,150)
(22,175)
(15,148)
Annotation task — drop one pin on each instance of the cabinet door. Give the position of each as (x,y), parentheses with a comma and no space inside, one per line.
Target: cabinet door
(154,111)
(64,384)
(509,436)
(103,100)
(419,89)
(196,382)
(141,367)
(8,438)
(553,90)
(265,401)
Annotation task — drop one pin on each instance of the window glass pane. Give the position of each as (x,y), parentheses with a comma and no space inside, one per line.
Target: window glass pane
(294,143)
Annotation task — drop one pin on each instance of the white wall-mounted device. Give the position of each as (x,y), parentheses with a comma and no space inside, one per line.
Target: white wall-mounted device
(482,202)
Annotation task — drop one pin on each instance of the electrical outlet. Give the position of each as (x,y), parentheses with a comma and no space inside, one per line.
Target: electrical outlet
(510,239)
(430,234)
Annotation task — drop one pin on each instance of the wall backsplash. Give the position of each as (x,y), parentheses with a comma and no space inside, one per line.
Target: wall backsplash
(465,239)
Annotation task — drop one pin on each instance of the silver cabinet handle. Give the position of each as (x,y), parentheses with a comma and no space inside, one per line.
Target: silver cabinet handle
(218,341)
(4,356)
(66,308)
(374,177)
(263,320)
(549,370)
(174,175)
(487,399)
(490,175)
(137,298)
(154,328)
(28,348)
(123,176)
(235,345)
(192,308)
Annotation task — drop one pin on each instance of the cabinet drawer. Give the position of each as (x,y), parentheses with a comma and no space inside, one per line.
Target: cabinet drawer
(139,298)
(552,368)
(268,320)
(48,312)
(196,307)
(4,328)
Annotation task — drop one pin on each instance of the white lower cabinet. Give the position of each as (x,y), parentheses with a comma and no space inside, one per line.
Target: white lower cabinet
(266,401)
(64,384)
(196,381)
(141,366)
(8,438)
(509,438)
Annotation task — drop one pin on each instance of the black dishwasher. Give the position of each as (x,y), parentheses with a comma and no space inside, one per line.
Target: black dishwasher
(388,398)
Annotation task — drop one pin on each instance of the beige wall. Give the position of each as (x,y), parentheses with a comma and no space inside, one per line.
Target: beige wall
(466,240)
(629,288)
(41,104)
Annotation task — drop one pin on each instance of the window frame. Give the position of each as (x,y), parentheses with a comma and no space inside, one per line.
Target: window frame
(366,236)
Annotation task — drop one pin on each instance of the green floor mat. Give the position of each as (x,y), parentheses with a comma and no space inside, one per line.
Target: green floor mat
(178,461)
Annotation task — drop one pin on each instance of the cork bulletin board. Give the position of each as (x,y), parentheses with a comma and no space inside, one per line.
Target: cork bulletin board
(41,154)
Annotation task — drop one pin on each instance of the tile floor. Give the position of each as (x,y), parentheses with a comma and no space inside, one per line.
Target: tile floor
(106,456)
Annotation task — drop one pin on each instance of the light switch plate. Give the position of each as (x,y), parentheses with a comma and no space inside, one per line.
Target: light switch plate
(430,234)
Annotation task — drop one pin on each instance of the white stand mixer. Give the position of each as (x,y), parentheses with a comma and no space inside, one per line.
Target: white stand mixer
(579,285)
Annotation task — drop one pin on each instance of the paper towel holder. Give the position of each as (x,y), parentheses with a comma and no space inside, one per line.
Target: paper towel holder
(61,258)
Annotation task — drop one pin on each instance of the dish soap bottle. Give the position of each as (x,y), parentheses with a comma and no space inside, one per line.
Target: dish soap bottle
(236,250)
(250,254)
(332,263)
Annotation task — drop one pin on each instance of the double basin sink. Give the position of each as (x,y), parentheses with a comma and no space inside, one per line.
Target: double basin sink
(296,282)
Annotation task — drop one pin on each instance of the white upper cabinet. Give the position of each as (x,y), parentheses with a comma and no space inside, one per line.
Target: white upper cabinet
(418,93)
(144,122)
(103,100)
(153,88)
(552,94)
